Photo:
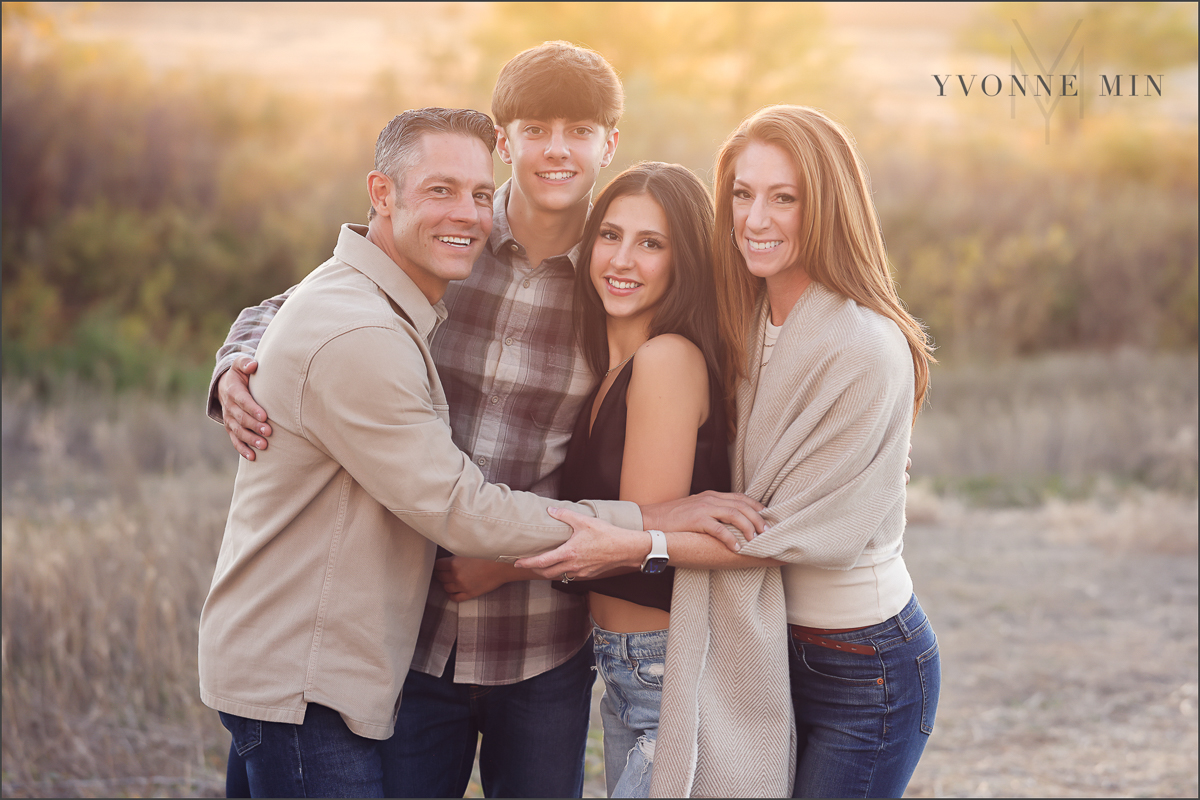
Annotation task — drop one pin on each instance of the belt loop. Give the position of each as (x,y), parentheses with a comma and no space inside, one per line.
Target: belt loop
(903,617)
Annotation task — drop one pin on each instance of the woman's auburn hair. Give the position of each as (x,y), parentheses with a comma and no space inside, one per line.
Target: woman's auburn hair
(689,307)
(841,242)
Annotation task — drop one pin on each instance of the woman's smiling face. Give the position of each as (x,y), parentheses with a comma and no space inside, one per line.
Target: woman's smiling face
(766,212)
(631,257)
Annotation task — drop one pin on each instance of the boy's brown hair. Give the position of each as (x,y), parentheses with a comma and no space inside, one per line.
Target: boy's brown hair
(558,80)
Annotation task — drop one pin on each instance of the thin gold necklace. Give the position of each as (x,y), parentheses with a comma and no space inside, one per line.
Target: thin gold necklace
(618,366)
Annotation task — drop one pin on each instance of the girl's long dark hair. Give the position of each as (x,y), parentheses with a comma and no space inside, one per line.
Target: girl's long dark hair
(689,307)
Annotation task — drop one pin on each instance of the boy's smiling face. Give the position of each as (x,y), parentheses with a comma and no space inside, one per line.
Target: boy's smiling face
(555,162)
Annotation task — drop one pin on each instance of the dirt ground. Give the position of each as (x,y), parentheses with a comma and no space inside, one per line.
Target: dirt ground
(1068,638)
(1069,648)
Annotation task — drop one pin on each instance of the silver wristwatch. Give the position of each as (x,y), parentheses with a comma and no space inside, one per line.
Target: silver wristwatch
(656,562)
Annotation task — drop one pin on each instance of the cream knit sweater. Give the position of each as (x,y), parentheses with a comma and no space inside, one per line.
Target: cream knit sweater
(822,440)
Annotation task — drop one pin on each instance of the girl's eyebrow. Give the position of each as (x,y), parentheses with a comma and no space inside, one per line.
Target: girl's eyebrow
(619,229)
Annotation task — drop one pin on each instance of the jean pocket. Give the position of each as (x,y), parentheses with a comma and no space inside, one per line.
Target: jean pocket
(845,669)
(649,672)
(246,733)
(929,664)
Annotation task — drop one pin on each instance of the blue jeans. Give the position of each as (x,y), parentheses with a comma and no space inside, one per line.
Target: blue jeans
(863,720)
(320,758)
(631,665)
(237,783)
(534,734)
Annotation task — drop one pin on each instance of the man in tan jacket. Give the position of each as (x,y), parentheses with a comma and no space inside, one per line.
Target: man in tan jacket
(313,614)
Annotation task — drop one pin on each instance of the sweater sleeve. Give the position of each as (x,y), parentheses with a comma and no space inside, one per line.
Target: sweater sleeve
(834,478)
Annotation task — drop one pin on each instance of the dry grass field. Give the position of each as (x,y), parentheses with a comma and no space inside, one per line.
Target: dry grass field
(1052,538)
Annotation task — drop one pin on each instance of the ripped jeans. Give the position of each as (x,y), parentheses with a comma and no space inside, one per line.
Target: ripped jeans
(631,665)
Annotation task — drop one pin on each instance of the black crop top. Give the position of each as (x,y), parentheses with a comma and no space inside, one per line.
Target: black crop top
(592,471)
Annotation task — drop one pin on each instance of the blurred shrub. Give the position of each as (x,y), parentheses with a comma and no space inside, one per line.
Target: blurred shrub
(141,214)
(1141,36)
(1006,248)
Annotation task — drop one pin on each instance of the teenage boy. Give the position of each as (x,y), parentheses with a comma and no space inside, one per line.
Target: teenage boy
(512,664)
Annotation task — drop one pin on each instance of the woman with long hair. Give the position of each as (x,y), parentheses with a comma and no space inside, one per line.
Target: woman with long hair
(832,652)
(653,430)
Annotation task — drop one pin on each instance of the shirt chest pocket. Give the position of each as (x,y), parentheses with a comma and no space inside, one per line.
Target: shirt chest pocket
(562,357)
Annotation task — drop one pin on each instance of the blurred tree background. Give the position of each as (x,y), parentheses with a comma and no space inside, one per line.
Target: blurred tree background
(143,208)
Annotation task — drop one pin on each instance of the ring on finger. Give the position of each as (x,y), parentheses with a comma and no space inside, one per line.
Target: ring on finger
(567,578)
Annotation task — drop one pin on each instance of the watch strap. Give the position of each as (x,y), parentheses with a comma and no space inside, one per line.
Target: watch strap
(658,548)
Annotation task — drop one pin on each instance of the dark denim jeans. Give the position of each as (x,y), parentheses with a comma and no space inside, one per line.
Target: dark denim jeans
(320,758)
(534,734)
(863,720)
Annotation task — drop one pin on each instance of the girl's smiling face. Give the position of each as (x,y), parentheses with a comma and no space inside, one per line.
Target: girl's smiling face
(631,257)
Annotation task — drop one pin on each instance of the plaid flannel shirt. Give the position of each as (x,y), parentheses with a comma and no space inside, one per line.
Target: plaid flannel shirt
(515,383)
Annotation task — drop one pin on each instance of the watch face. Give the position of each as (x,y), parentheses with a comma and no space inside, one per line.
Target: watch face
(653,566)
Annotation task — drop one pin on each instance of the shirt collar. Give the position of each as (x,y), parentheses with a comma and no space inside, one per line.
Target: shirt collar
(501,238)
(501,241)
(355,249)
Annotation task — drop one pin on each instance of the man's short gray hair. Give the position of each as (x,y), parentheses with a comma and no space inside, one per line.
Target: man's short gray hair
(396,148)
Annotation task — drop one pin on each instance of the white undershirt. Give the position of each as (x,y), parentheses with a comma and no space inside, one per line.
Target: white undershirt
(769,338)
(875,589)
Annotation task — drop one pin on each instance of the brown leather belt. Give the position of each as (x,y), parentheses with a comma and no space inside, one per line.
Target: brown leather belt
(808,636)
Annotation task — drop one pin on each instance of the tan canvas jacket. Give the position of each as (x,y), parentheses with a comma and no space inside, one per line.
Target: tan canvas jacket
(325,563)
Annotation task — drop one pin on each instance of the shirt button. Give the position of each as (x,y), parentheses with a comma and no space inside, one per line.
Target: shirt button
(514,247)
(508,340)
(525,284)
(495,399)
(482,462)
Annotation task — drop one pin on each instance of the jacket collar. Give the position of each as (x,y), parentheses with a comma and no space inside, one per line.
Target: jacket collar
(355,249)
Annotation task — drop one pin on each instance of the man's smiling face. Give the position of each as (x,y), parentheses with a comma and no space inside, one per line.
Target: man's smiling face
(555,162)
(442,212)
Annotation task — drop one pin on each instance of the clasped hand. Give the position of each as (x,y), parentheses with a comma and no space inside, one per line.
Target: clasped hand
(597,547)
